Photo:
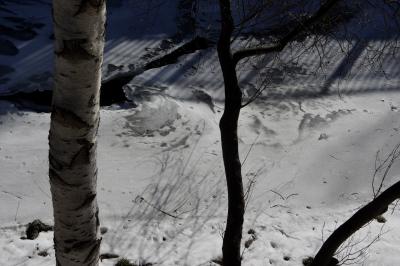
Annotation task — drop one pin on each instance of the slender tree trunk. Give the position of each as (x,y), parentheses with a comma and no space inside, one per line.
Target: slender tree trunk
(229,139)
(229,120)
(364,215)
(79,34)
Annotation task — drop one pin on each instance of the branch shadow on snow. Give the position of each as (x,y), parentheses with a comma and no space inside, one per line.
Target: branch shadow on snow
(148,14)
(279,80)
(181,202)
(112,90)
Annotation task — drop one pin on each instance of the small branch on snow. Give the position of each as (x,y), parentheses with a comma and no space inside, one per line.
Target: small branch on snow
(141,199)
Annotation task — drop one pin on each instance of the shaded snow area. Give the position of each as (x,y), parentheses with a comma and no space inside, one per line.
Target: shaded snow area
(309,145)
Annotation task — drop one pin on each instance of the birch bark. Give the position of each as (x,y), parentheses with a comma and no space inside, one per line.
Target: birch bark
(79,28)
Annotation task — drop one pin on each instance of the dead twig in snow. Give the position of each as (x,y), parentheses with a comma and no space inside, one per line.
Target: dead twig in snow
(284,233)
(140,199)
(277,193)
(16,212)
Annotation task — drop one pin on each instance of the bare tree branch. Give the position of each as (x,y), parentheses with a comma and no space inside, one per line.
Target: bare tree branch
(385,165)
(239,55)
(376,207)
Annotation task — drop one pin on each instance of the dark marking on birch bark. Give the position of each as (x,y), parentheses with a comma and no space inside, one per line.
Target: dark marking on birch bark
(83,155)
(84,4)
(76,245)
(57,180)
(95,174)
(97,216)
(70,241)
(103,34)
(87,202)
(91,101)
(81,7)
(64,224)
(79,245)
(92,253)
(54,163)
(97,125)
(68,118)
(74,50)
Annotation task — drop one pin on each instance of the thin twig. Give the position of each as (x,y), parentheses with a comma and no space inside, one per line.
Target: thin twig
(251,147)
(141,199)
(277,193)
(16,212)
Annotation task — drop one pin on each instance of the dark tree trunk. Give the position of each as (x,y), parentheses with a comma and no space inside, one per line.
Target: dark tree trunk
(363,216)
(229,139)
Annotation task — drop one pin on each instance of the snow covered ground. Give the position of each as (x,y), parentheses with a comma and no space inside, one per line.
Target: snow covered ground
(308,162)
(312,163)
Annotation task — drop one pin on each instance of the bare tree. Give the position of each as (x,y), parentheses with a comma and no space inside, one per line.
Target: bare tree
(79,28)
(229,140)
(229,120)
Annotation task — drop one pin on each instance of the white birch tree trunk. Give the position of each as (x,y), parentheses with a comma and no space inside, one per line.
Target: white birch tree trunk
(79,27)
